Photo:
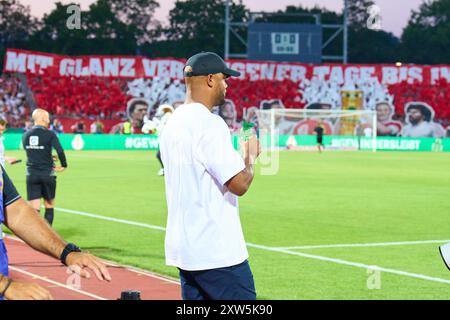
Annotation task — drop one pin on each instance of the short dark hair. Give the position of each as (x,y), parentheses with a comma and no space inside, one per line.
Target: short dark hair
(424,110)
(269,104)
(3,122)
(133,103)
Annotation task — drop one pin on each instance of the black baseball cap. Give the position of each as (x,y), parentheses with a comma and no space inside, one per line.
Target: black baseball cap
(205,63)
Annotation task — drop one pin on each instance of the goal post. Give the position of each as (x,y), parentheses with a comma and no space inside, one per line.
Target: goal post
(295,129)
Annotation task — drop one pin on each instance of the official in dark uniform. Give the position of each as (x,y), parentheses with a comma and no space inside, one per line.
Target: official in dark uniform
(319,135)
(41,179)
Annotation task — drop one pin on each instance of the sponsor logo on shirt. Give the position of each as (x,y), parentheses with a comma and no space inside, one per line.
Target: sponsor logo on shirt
(34,143)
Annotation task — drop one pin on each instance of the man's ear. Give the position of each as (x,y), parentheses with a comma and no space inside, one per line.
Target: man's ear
(210,80)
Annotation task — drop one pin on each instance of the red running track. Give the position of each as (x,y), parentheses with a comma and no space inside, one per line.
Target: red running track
(26,264)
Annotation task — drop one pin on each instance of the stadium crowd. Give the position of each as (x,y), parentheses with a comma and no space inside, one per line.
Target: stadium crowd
(13,106)
(82,98)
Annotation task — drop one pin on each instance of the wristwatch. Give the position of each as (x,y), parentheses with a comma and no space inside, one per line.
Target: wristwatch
(68,249)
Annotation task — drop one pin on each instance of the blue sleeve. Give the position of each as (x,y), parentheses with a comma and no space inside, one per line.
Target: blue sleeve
(10,193)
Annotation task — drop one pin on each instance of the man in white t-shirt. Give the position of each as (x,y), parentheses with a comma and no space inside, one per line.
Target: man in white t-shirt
(204,176)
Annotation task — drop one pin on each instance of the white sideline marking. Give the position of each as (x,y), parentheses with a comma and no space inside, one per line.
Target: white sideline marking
(349,263)
(35,276)
(96,216)
(285,251)
(381,244)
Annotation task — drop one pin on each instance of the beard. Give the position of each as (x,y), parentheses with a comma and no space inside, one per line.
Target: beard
(220,99)
(414,121)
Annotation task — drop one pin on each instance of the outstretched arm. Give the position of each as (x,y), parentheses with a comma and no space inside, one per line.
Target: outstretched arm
(23,221)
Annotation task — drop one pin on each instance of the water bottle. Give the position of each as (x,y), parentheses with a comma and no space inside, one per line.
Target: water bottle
(248,130)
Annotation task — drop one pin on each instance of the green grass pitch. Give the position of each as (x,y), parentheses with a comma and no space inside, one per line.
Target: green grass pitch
(314,199)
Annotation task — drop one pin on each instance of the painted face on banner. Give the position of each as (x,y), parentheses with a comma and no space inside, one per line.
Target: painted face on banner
(140,111)
(228,112)
(415,116)
(384,112)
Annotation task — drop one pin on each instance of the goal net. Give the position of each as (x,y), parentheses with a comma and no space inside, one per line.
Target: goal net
(295,129)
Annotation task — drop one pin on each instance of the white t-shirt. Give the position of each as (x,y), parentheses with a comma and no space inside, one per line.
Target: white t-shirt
(203,226)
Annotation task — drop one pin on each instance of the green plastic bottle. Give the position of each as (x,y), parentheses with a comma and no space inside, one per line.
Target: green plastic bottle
(248,129)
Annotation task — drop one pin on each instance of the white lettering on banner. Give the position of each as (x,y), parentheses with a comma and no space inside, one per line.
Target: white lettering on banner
(22,62)
(111,68)
(104,66)
(128,143)
(389,75)
(95,67)
(382,144)
(239,66)
(298,73)
(85,69)
(282,72)
(367,73)
(16,62)
(254,71)
(267,71)
(320,72)
(435,74)
(351,74)
(438,73)
(149,67)
(31,61)
(385,144)
(163,69)
(337,75)
(393,75)
(445,73)
(344,143)
(142,143)
(415,73)
(402,74)
(44,62)
(128,69)
(176,70)
(81,69)
(66,67)
(73,67)
(137,143)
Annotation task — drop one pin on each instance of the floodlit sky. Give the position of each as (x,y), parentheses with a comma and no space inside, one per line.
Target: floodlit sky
(395,13)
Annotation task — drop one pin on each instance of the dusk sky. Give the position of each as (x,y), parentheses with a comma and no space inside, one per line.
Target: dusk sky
(395,13)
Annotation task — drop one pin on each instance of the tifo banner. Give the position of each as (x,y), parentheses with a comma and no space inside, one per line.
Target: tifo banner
(139,67)
(78,142)
(409,100)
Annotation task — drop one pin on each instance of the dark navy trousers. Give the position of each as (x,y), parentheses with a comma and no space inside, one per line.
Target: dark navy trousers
(229,283)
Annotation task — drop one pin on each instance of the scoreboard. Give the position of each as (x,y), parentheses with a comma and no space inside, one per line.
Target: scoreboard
(285,42)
